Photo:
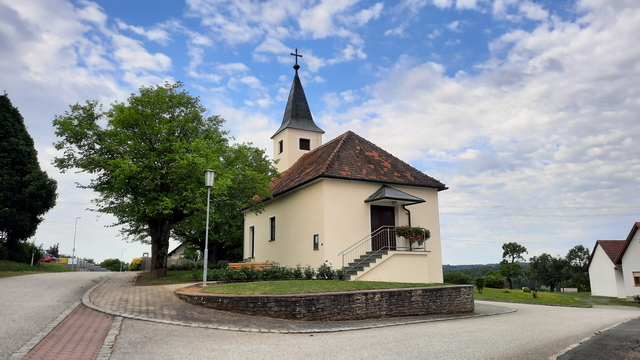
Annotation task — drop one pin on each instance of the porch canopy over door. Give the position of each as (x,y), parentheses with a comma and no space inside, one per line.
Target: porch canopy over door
(383,203)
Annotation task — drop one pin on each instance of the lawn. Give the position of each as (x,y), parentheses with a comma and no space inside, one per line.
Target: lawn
(549,298)
(305,287)
(12,268)
(173,277)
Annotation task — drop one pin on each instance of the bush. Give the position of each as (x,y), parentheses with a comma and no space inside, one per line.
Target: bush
(526,289)
(494,280)
(136,264)
(479,282)
(456,277)
(309,273)
(20,252)
(325,272)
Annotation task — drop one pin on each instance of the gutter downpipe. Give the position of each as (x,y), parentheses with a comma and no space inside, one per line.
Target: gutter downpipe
(409,218)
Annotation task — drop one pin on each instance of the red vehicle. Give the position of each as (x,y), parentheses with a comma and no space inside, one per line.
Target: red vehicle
(48,259)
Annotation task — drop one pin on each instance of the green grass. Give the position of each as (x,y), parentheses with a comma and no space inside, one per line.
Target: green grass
(12,268)
(173,277)
(305,287)
(550,298)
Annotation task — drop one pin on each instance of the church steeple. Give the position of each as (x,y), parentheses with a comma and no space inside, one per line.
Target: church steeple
(297,114)
(298,133)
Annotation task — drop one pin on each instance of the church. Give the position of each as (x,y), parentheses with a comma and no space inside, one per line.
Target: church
(340,201)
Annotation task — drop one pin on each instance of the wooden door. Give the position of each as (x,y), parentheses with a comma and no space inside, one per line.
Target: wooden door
(381,216)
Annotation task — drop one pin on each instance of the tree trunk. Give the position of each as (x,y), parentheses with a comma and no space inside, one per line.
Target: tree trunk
(510,283)
(160,231)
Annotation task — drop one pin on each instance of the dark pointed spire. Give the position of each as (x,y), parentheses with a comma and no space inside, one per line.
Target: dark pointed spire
(297,114)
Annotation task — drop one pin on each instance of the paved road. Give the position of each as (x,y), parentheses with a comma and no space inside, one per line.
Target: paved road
(533,332)
(30,302)
(620,342)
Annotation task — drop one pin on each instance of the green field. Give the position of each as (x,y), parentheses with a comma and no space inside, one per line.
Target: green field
(549,298)
(305,287)
(12,268)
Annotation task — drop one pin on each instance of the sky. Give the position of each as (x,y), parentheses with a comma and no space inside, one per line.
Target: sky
(526,110)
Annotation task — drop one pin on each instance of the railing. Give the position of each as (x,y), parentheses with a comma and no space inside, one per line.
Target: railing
(382,239)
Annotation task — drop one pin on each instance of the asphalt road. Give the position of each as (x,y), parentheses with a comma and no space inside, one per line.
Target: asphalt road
(533,332)
(28,303)
(620,342)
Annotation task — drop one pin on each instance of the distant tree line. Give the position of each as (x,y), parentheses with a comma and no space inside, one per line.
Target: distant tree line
(541,271)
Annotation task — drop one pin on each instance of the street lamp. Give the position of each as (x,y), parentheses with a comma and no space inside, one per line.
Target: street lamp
(121,257)
(209,178)
(73,253)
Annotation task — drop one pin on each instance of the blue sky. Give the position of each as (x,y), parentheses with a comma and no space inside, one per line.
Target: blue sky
(527,110)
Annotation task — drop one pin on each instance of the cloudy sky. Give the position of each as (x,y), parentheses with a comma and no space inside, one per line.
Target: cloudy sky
(527,110)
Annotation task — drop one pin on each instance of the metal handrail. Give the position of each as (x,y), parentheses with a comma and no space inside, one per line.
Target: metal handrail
(363,246)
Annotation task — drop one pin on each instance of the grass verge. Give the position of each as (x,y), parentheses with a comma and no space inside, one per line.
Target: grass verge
(173,277)
(305,287)
(12,268)
(549,298)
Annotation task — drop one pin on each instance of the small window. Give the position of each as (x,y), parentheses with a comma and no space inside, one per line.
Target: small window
(272,228)
(252,235)
(316,242)
(636,278)
(305,144)
(280,146)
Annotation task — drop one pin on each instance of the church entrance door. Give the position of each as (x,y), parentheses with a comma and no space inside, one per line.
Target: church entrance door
(383,216)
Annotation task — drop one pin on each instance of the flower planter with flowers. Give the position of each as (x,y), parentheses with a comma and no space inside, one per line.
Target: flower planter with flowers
(413,234)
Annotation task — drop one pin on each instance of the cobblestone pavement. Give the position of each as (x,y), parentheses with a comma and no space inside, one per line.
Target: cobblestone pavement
(118,296)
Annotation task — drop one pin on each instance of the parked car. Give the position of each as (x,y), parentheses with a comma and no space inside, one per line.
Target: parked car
(48,259)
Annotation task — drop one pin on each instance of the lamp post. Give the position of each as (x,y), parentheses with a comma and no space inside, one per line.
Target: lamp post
(121,257)
(209,178)
(73,253)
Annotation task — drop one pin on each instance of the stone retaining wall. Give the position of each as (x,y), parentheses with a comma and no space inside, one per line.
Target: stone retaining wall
(348,305)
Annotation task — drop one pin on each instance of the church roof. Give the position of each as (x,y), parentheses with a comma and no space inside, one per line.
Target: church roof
(352,157)
(297,114)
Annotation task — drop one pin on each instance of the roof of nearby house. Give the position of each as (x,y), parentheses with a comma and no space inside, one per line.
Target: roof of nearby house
(632,233)
(170,253)
(297,114)
(351,157)
(611,248)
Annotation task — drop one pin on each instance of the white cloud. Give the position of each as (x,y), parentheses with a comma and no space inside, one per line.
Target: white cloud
(452,42)
(466,4)
(398,31)
(153,34)
(453,26)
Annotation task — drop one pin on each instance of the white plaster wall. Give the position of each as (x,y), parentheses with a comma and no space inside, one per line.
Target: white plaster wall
(631,264)
(298,217)
(291,150)
(409,267)
(605,280)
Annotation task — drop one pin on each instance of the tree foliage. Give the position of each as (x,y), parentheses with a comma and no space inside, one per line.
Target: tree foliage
(509,267)
(26,192)
(547,269)
(54,251)
(114,265)
(577,271)
(148,161)
(456,277)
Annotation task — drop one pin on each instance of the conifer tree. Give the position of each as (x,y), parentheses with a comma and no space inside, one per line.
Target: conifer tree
(26,192)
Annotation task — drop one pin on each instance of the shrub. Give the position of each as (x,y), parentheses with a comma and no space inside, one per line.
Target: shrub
(535,294)
(340,274)
(526,289)
(325,272)
(309,273)
(494,280)
(479,282)
(297,272)
(136,264)
(456,277)
(636,298)
(506,291)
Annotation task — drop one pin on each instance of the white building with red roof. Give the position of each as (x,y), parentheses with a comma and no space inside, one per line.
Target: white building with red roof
(614,267)
(339,202)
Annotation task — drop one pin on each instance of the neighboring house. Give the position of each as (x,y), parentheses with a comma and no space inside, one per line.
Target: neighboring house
(339,202)
(614,267)
(176,253)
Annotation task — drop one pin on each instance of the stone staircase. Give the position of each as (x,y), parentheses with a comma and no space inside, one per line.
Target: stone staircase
(363,262)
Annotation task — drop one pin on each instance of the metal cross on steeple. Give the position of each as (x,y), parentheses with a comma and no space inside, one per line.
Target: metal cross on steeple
(296,66)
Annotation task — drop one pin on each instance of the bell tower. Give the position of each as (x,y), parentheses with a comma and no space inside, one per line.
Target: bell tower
(298,134)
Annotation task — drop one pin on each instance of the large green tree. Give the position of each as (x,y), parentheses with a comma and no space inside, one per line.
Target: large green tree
(509,267)
(26,192)
(147,158)
(547,270)
(241,175)
(578,267)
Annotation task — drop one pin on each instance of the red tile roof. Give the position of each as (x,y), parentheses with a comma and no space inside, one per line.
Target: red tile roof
(352,157)
(626,243)
(611,248)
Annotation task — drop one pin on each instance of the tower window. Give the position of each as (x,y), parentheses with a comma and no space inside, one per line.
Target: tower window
(305,144)
(280,147)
